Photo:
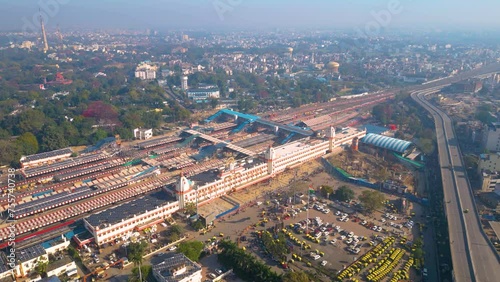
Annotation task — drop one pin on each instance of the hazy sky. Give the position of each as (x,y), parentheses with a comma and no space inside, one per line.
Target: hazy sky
(173,14)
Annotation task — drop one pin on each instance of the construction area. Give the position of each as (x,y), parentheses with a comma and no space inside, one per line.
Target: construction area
(375,168)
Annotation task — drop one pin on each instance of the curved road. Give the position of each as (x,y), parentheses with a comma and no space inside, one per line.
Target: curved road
(474,258)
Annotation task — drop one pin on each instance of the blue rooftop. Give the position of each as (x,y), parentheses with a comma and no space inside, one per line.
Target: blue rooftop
(389,143)
(375,129)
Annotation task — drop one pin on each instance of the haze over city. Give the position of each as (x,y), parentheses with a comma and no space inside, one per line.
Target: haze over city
(170,14)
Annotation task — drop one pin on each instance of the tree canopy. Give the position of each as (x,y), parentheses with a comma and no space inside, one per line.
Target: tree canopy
(191,249)
(344,193)
(372,200)
(296,276)
(246,266)
(326,190)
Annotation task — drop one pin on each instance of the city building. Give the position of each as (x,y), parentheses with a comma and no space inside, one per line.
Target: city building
(27,260)
(489,180)
(489,162)
(177,268)
(61,266)
(203,94)
(492,199)
(60,80)
(184,83)
(143,134)
(46,157)
(491,137)
(121,221)
(146,71)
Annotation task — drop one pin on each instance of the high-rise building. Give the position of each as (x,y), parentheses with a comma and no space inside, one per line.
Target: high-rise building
(146,71)
(491,137)
(184,83)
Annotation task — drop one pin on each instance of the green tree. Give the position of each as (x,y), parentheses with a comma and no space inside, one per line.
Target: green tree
(53,138)
(151,119)
(326,190)
(191,249)
(198,225)
(244,264)
(99,134)
(372,200)
(145,271)
(135,254)
(344,194)
(426,145)
(296,276)
(9,152)
(31,121)
(175,232)
(27,143)
(41,267)
(214,102)
(190,208)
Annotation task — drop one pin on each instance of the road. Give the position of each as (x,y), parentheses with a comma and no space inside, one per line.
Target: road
(474,258)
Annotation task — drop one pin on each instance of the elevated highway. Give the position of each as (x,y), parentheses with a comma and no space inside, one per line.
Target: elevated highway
(474,257)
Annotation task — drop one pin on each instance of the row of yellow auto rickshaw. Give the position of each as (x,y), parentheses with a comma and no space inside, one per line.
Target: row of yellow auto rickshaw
(386,265)
(403,274)
(367,258)
(297,241)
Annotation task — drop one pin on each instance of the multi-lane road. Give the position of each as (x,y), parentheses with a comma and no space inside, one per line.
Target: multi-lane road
(474,258)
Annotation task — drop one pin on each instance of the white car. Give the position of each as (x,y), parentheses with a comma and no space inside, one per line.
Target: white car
(333,241)
(316,257)
(383,220)
(374,228)
(379,229)
(323,263)
(173,248)
(342,237)
(337,213)
(363,222)
(349,241)
(350,235)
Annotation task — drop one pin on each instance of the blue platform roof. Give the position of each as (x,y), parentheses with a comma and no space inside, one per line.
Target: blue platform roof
(389,143)
(374,129)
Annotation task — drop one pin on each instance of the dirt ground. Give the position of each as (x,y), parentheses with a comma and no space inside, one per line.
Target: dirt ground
(373,168)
